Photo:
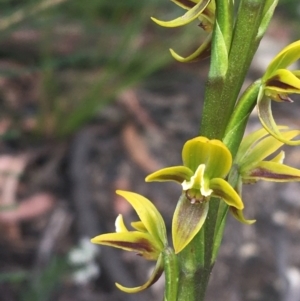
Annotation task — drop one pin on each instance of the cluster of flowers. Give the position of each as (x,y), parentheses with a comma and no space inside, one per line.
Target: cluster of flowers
(208,169)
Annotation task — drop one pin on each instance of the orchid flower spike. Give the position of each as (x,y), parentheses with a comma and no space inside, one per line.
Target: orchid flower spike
(204,10)
(148,239)
(205,165)
(277,83)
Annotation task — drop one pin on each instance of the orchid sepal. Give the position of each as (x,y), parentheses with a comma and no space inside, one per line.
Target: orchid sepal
(238,214)
(224,190)
(267,120)
(201,150)
(157,272)
(135,241)
(272,171)
(192,14)
(175,173)
(202,52)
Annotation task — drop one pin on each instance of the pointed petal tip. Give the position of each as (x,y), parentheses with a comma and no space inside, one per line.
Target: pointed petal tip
(94,240)
(157,272)
(267,120)
(174,173)
(238,214)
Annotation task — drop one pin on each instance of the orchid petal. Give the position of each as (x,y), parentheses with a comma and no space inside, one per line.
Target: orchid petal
(238,214)
(224,190)
(272,171)
(264,148)
(250,140)
(148,214)
(266,118)
(182,231)
(201,53)
(283,81)
(185,4)
(119,224)
(175,173)
(188,17)
(153,278)
(141,243)
(278,158)
(247,143)
(283,59)
(139,226)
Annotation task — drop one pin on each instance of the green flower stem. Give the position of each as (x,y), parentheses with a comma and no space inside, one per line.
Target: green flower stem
(219,229)
(244,46)
(239,118)
(221,94)
(195,260)
(171,274)
(192,271)
(225,79)
(221,41)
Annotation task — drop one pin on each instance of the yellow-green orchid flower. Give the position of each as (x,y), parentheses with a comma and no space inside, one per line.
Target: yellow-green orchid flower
(204,10)
(252,154)
(205,165)
(148,239)
(277,83)
(251,164)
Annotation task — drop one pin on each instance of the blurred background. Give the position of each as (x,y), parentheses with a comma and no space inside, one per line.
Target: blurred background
(91,101)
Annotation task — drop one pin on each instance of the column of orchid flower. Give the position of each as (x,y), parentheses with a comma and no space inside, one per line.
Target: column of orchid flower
(217,163)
